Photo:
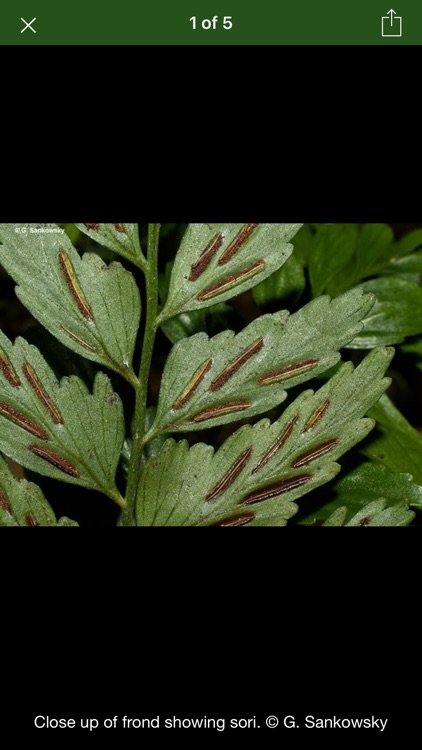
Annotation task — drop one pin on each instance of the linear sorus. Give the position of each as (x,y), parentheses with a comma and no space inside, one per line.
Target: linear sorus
(22,421)
(218,411)
(73,285)
(316,416)
(92,226)
(3,502)
(277,445)
(31,520)
(287,372)
(232,281)
(54,460)
(192,386)
(311,455)
(230,476)
(277,488)
(42,395)
(78,340)
(238,241)
(119,228)
(206,257)
(8,371)
(240,520)
(234,366)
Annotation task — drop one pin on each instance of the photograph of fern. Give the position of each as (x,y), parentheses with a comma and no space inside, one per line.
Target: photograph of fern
(210,375)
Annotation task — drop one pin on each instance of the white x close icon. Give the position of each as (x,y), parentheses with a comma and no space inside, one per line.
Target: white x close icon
(28,25)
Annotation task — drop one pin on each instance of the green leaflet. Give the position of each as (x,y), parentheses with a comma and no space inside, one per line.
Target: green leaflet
(258,473)
(332,253)
(374,247)
(397,312)
(373,514)
(394,443)
(408,244)
(23,504)
(342,255)
(218,261)
(367,482)
(64,521)
(58,429)
(123,239)
(208,382)
(409,267)
(92,308)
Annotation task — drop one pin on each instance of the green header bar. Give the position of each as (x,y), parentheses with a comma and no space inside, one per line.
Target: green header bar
(211,22)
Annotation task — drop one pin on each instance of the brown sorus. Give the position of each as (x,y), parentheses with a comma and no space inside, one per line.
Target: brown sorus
(230,476)
(311,455)
(78,340)
(238,241)
(277,445)
(317,416)
(231,281)
(31,520)
(42,395)
(288,371)
(190,389)
(206,257)
(8,371)
(240,520)
(22,421)
(54,460)
(234,366)
(277,488)
(73,285)
(216,411)
(3,501)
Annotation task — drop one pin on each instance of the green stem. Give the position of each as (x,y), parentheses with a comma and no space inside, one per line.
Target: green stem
(116,496)
(141,263)
(151,279)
